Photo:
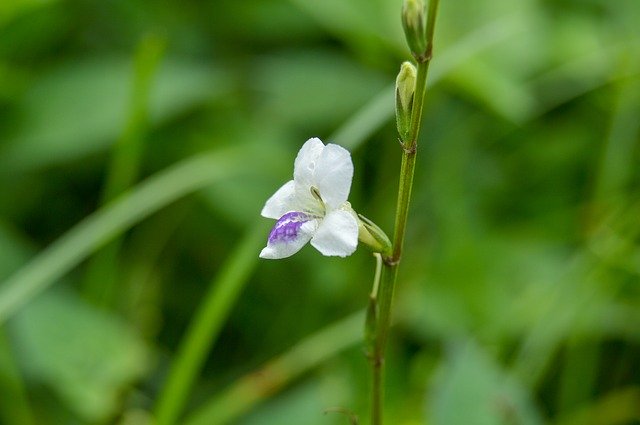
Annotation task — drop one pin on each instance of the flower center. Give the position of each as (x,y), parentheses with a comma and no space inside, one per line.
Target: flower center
(316,194)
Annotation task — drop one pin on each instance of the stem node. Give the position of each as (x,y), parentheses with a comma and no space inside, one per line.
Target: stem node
(391,261)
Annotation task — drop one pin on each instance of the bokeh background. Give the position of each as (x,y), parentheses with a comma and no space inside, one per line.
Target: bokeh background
(140,139)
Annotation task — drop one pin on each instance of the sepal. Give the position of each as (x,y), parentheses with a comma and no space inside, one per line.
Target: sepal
(372,236)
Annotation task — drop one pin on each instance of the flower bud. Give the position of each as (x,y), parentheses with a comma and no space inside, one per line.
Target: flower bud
(405,89)
(413,22)
(372,236)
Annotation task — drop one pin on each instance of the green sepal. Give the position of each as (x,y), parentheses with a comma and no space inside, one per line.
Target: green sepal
(372,236)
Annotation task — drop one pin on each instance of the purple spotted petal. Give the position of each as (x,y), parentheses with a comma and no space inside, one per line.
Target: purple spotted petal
(290,233)
(288,227)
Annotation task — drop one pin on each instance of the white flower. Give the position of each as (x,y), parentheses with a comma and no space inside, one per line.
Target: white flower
(313,206)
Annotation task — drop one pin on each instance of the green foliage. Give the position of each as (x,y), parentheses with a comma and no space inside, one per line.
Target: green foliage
(518,298)
(472,388)
(57,346)
(80,108)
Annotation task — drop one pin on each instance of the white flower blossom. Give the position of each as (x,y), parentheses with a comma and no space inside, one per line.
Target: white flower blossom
(313,206)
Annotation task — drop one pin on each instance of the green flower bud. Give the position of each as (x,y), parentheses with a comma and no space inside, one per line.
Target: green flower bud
(405,89)
(413,22)
(372,236)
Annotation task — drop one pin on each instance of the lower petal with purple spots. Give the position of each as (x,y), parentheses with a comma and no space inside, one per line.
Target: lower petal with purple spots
(288,227)
(291,232)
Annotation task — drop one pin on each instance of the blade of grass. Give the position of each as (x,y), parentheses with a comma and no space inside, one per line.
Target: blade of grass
(621,406)
(203,331)
(616,168)
(366,121)
(578,378)
(544,340)
(588,74)
(140,299)
(101,277)
(579,375)
(14,406)
(251,389)
(100,227)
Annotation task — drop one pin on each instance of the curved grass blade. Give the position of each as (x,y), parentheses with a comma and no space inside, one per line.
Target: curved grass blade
(203,331)
(251,389)
(103,225)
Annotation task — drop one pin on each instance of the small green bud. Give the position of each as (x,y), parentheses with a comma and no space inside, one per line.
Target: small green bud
(406,85)
(413,22)
(405,89)
(372,236)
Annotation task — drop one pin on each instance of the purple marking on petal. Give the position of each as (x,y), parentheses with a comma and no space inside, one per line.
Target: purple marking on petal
(288,226)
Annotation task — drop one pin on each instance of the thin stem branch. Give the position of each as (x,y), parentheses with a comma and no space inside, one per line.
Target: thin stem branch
(376,276)
(385,297)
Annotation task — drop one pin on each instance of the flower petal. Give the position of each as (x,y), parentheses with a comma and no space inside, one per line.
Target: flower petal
(280,202)
(305,164)
(333,174)
(337,234)
(291,232)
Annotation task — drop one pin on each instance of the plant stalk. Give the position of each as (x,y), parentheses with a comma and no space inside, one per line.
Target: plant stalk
(390,268)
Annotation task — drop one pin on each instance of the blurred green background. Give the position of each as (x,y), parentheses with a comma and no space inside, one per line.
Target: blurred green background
(140,139)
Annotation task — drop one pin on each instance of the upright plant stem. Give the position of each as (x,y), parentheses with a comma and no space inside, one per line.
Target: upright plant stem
(390,269)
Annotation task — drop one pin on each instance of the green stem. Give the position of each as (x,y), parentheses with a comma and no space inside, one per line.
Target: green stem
(385,298)
(390,270)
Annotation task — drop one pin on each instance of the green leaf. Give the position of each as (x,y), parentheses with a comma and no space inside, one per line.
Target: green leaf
(472,389)
(82,107)
(87,357)
(319,89)
(13,8)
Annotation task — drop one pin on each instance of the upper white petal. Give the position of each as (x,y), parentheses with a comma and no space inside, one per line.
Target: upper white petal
(281,202)
(283,249)
(305,164)
(337,234)
(333,174)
